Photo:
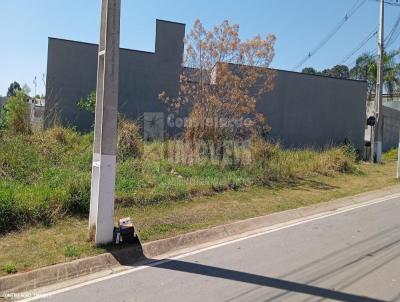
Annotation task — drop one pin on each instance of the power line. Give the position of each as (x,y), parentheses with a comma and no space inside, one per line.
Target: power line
(393,34)
(391,2)
(359,46)
(347,16)
(391,37)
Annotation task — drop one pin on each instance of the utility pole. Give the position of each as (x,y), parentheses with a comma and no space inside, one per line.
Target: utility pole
(35,84)
(378,131)
(398,159)
(101,217)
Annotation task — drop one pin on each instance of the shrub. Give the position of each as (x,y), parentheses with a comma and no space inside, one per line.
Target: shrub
(339,159)
(77,199)
(270,163)
(262,151)
(19,160)
(129,140)
(17,114)
(88,104)
(391,155)
(9,213)
(10,268)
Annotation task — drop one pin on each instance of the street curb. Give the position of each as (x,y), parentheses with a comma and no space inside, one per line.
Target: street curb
(113,260)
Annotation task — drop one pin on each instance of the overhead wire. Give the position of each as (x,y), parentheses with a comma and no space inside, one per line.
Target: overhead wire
(357,5)
(389,40)
(359,46)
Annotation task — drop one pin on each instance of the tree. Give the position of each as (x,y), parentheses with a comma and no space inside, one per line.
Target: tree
(366,69)
(13,88)
(26,89)
(222,81)
(309,70)
(16,116)
(338,71)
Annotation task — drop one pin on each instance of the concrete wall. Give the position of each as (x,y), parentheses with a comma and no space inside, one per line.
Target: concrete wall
(391,128)
(72,68)
(391,124)
(3,100)
(303,110)
(309,110)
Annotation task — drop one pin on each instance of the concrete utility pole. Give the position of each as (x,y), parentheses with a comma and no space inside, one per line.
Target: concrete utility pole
(398,159)
(101,218)
(378,131)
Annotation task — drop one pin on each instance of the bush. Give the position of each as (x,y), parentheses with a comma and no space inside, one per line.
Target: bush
(129,140)
(262,151)
(77,199)
(17,114)
(9,213)
(10,268)
(88,104)
(391,155)
(339,159)
(19,160)
(270,163)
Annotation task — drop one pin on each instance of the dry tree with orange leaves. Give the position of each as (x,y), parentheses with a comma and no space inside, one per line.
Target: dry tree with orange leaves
(222,80)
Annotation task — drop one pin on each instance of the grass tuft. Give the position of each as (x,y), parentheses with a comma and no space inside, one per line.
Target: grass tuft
(71,251)
(10,268)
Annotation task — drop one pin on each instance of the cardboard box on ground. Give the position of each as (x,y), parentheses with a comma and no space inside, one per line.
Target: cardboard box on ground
(125,232)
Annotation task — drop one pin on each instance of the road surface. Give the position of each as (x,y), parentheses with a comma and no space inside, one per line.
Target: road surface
(350,256)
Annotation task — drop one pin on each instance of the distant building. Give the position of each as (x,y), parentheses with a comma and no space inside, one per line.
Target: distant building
(3,100)
(37,111)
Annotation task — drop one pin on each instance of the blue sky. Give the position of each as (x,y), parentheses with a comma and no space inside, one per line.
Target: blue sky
(298,25)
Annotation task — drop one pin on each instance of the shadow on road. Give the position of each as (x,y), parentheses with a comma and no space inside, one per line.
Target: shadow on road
(134,256)
(227,274)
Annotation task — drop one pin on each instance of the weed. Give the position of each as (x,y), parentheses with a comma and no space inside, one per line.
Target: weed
(70,251)
(10,268)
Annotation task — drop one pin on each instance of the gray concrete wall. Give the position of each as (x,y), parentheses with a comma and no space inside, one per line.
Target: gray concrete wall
(72,69)
(391,124)
(303,110)
(309,110)
(3,100)
(391,128)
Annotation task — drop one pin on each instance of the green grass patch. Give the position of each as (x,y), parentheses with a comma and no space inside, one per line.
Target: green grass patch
(71,251)
(66,239)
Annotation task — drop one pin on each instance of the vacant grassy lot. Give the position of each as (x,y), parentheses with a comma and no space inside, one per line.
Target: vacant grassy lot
(45,187)
(65,239)
(45,176)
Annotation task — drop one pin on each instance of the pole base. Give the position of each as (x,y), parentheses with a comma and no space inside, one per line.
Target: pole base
(101,217)
(378,152)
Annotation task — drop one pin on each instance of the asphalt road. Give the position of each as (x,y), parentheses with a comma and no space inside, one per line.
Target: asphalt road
(352,256)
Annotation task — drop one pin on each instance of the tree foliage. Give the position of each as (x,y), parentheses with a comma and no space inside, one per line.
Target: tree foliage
(366,69)
(88,104)
(309,70)
(16,115)
(13,88)
(338,71)
(26,89)
(222,81)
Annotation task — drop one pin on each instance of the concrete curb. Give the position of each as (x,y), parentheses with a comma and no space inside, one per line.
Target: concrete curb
(128,256)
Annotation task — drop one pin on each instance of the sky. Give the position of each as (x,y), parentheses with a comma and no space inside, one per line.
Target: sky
(299,25)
